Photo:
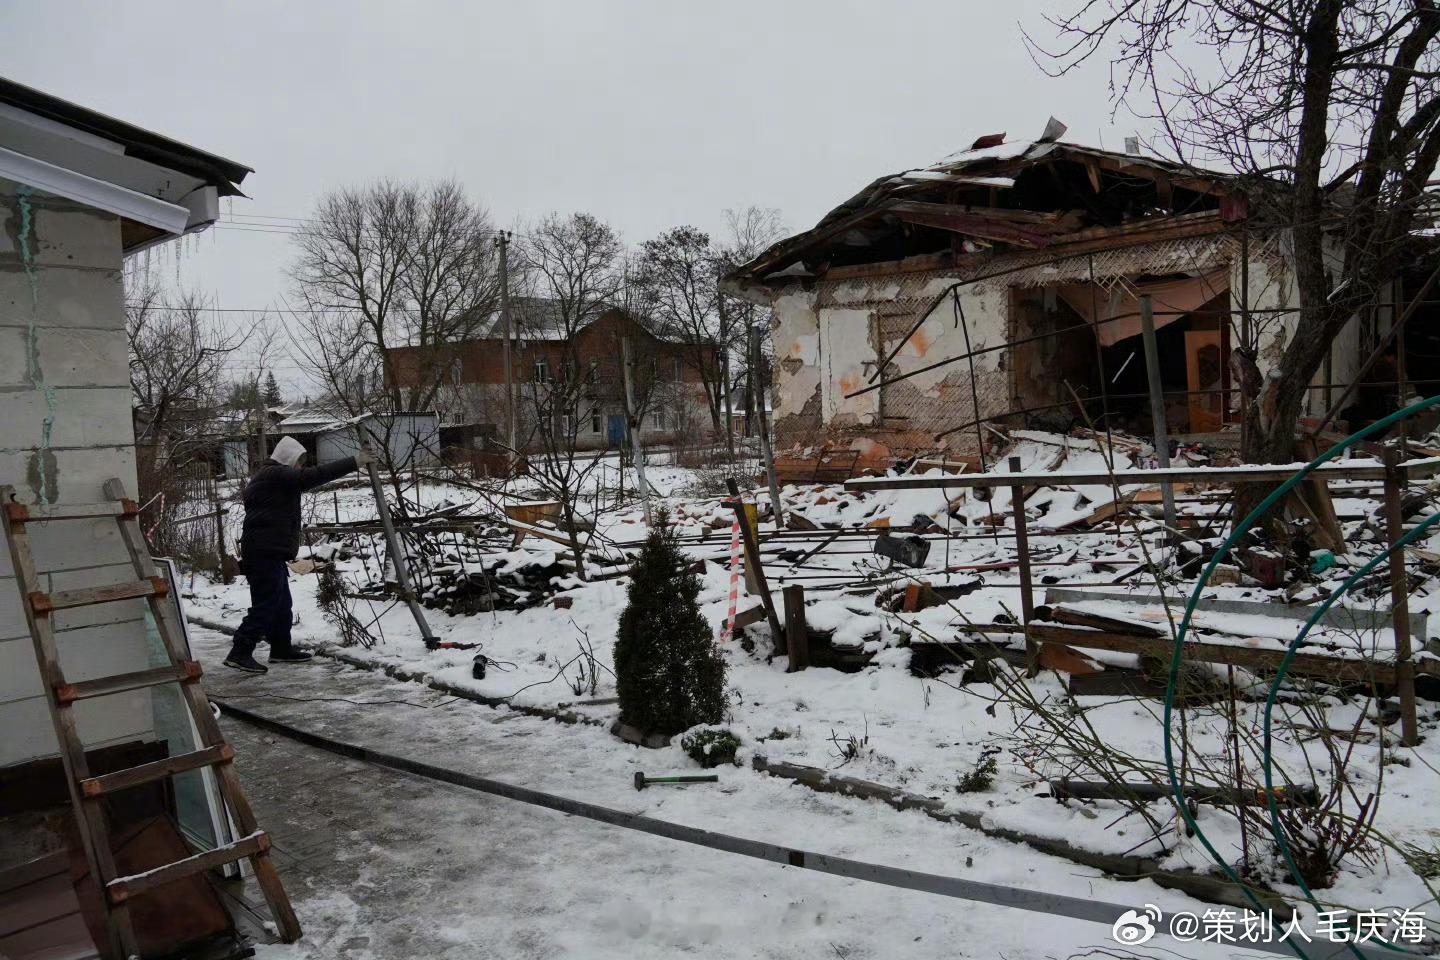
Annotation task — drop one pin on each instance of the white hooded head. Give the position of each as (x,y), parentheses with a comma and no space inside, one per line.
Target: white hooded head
(288,451)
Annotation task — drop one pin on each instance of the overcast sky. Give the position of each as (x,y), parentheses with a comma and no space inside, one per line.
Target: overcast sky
(647,115)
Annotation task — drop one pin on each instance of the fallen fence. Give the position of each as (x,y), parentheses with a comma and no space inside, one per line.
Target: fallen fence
(1392,472)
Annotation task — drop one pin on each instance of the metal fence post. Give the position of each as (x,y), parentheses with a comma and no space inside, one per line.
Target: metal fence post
(1022,548)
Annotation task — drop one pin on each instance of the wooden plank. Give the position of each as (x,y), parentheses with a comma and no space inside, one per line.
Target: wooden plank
(971,224)
(418,527)
(745,618)
(797,635)
(525,529)
(1314,497)
(1400,599)
(43,603)
(123,888)
(754,566)
(1082,618)
(42,513)
(186,672)
(159,769)
(1077,244)
(1307,664)
(33,871)
(1340,617)
(1060,478)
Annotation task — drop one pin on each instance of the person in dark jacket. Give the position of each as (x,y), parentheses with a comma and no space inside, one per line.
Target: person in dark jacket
(269,540)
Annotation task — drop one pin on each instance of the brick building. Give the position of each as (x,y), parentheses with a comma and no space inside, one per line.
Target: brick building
(547,359)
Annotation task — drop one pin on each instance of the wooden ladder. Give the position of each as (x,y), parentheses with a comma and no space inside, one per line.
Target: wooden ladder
(87,792)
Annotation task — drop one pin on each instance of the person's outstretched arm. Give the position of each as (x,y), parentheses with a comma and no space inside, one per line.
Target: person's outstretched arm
(311,477)
(308,478)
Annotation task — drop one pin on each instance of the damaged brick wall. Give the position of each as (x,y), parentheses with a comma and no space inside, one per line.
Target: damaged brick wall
(830,338)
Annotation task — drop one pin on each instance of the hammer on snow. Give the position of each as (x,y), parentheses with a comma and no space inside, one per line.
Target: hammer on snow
(642,781)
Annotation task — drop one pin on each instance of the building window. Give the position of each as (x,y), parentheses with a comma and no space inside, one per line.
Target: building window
(595,373)
(594,418)
(567,425)
(679,370)
(542,371)
(657,419)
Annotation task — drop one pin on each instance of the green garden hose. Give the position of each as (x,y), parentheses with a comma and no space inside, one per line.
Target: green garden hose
(1336,594)
(1238,530)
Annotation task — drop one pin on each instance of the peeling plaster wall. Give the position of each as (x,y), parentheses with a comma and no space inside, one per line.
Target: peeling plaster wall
(65,428)
(825,339)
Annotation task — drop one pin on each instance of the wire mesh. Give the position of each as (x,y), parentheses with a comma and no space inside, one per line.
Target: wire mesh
(908,413)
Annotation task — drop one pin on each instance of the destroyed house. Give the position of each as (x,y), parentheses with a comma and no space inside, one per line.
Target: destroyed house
(546,351)
(1002,286)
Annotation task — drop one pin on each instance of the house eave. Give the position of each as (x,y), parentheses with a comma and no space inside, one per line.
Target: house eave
(101,194)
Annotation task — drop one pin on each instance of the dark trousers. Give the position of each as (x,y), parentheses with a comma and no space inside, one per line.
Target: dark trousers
(269,615)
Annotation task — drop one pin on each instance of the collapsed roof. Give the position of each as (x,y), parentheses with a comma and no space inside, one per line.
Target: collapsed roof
(996,195)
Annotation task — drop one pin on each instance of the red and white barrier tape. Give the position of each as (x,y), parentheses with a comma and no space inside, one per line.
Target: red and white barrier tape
(159,515)
(729,631)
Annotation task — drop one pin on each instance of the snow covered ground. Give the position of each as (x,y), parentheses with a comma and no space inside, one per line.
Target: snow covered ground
(417,868)
(910,732)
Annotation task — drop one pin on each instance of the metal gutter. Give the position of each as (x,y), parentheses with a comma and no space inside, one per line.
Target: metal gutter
(100,194)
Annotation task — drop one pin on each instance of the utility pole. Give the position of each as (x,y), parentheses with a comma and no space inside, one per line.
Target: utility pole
(632,423)
(502,243)
(725,376)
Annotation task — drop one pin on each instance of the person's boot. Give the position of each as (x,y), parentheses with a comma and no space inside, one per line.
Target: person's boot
(245,661)
(291,655)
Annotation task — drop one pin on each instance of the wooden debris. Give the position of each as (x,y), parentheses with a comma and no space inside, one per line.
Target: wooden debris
(1057,656)
(1061,613)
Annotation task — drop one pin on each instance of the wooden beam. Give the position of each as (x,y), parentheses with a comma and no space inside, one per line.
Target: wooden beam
(1079,243)
(1054,219)
(1249,658)
(944,217)
(1061,478)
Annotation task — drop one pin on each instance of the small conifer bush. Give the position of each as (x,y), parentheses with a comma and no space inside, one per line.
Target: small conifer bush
(669,674)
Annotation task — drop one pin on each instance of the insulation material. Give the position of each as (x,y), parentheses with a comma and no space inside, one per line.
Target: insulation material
(1116,314)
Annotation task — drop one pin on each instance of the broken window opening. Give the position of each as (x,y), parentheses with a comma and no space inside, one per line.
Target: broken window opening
(1071,356)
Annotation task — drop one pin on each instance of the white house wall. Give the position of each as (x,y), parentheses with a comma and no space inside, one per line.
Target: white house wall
(65,428)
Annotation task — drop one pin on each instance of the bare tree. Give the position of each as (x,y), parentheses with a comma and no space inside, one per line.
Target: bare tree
(178,355)
(392,265)
(569,266)
(1329,112)
(748,232)
(678,273)
(573,263)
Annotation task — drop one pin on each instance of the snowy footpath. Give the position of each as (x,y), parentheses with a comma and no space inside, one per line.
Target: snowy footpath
(411,867)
